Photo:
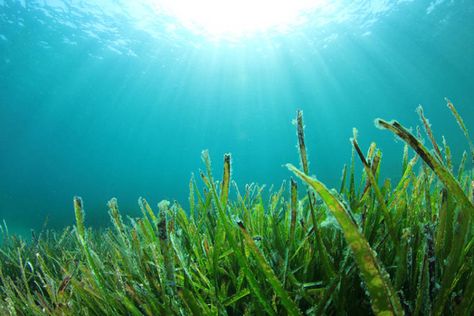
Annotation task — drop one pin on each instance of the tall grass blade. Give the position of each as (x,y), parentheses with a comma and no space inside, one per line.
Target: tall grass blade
(444,174)
(378,194)
(429,132)
(461,125)
(289,304)
(322,251)
(293,206)
(225,180)
(384,299)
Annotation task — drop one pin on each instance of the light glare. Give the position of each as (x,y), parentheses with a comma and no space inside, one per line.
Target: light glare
(238,17)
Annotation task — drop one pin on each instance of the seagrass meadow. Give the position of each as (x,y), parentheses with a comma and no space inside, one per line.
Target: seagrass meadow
(368,247)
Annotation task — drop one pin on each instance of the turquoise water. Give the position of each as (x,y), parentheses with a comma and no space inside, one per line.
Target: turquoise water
(116,98)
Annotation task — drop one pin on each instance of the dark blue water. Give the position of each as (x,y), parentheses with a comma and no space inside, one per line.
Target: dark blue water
(114,98)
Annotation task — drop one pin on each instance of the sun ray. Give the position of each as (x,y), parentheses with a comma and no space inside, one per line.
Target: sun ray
(232,18)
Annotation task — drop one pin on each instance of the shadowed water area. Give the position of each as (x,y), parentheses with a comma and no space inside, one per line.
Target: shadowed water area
(117,98)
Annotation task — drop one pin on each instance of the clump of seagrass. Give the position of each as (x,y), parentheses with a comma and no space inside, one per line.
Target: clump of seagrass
(372,247)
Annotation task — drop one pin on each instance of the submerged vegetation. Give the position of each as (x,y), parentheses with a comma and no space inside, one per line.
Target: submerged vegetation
(377,247)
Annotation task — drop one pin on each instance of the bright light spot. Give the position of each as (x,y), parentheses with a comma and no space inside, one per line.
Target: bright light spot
(235,18)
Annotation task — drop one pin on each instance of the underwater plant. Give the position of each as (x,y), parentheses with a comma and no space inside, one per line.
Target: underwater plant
(378,248)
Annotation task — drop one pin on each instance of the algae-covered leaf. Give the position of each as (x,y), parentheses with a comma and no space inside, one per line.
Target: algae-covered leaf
(384,299)
(240,256)
(378,194)
(79,212)
(441,171)
(286,300)
(293,205)
(429,132)
(461,124)
(225,181)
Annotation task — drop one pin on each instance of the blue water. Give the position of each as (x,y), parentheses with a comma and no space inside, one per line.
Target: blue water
(114,98)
